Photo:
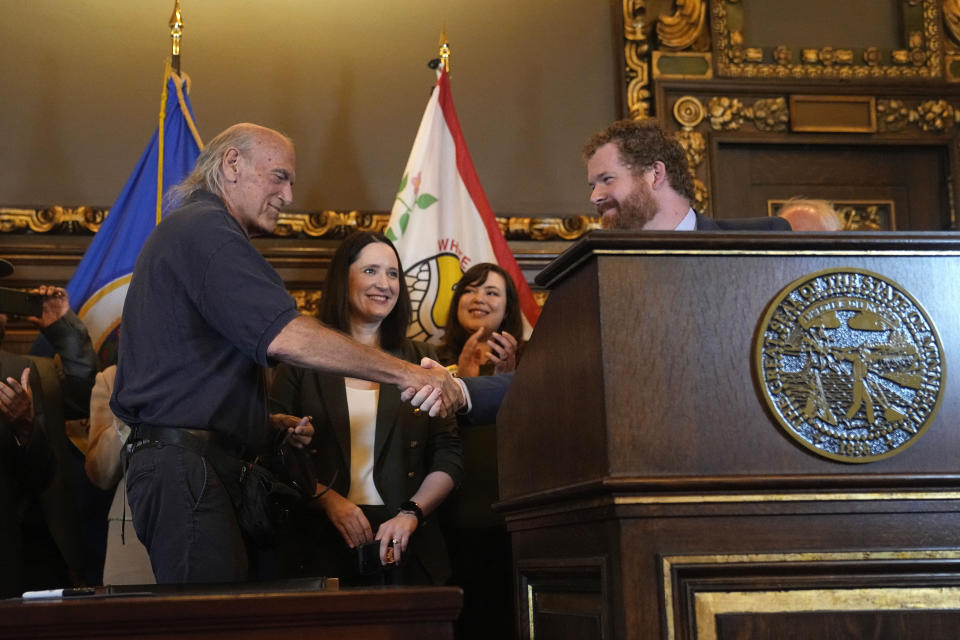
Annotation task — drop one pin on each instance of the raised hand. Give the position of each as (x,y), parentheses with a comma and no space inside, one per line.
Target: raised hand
(473,354)
(16,404)
(55,304)
(503,352)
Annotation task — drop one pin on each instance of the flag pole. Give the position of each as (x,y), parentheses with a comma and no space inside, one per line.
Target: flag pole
(176,32)
(444,49)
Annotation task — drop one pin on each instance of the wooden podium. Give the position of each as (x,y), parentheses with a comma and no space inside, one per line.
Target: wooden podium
(650,490)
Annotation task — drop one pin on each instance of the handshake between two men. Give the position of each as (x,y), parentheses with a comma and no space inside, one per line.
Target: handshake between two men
(431,398)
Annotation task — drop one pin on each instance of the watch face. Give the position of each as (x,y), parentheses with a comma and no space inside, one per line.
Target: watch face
(413,508)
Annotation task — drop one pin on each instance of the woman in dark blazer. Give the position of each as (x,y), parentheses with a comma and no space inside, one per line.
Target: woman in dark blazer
(388,467)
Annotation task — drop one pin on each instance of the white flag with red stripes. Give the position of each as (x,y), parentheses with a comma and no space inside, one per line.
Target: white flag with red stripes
(442,223)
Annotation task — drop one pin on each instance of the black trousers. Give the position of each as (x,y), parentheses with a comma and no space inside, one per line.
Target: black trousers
(184,517)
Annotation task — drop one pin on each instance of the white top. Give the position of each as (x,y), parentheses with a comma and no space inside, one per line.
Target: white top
(362,408)
(689,222)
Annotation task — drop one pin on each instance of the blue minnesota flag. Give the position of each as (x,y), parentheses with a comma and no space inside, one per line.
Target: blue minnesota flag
(100,283)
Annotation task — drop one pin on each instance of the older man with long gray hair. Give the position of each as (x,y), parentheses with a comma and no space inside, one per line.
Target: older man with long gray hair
(204,314)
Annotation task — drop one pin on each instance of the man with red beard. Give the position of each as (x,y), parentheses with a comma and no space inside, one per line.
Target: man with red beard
(639,179)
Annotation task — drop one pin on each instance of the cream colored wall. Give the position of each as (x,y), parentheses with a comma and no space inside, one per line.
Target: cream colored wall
(347,79)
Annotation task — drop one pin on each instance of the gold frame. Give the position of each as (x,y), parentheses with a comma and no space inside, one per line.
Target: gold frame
(869,103)
(708,605)
(920,59)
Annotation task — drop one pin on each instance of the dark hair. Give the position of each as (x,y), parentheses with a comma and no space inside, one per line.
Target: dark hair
(335,302)
(454,335)
(641,143)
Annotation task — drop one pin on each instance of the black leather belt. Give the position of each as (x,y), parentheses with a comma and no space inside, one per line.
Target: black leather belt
(200,441)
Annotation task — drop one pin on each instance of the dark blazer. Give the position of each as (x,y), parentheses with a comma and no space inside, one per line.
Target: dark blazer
(24,473)
(768,223)
(407,445)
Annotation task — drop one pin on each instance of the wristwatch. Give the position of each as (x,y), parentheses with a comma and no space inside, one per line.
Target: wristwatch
(412,507)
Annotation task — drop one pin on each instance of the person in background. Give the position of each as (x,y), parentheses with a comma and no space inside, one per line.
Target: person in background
(27,462)
(39,532)
(810,215)
(484,323)
(391,466)
(126,560)
(72,518)
(481,339)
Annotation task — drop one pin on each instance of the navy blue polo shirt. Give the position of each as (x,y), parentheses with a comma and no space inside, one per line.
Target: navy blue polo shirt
(202,307)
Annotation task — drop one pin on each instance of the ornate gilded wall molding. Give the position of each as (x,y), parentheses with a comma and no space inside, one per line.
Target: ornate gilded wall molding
(766,114)
(951,19)
(54,219)
(308,300)
(329,223)
(324,224)
(686,28)
(935,115)
(689,113)
(637,58)
(569,228)
(920,58)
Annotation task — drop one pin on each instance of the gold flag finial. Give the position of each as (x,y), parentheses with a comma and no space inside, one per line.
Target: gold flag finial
(444,49)
(176,32)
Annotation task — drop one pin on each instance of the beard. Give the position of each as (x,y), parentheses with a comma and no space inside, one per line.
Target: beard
(632,213)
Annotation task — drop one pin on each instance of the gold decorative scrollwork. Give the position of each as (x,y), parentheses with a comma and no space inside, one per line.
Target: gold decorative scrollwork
(323,224)
(864,218)
(54,219)
(637,58)
(770,114)
(308,300)
(726,114)
(951,18)
(729,114)
(920,58)
(569,228)
(933,115)
(694,144)
(688,111)
(686,27)
(892,115)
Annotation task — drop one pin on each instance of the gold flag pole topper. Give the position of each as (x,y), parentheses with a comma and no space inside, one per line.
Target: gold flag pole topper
(444,49)
(176,32)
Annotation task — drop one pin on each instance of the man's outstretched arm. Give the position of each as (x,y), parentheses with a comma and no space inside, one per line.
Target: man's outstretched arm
(305,342)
